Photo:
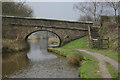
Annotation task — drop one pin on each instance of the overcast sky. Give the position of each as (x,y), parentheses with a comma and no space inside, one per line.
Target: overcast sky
(54,10)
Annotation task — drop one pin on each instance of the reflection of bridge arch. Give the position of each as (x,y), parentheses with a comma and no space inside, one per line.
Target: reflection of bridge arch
(44,30)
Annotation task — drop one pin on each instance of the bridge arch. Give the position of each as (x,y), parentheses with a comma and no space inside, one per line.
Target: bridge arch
(19,28)
(26,37)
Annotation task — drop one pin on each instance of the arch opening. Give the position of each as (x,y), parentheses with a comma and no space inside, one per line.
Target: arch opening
(53,39)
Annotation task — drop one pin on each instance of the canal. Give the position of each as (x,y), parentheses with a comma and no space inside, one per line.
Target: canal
(37,63)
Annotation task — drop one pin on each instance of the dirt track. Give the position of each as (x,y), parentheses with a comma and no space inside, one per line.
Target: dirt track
(102,66)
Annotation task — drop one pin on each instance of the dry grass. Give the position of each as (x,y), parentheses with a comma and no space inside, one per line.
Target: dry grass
(53,40)
(111,31)
(72,60)
(9,46)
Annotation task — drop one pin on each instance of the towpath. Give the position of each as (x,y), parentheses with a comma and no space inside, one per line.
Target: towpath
(102,65)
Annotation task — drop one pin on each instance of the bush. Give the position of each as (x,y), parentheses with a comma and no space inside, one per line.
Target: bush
(74,59)
(16,9)
(109,27)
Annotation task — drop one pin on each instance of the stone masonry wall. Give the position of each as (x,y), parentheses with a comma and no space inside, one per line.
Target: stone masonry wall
(19,28)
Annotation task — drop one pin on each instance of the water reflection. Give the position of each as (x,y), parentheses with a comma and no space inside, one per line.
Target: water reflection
(37,63)
(38,51)
(12,63)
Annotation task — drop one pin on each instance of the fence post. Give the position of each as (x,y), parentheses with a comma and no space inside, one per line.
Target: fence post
(108,42)
(89,36)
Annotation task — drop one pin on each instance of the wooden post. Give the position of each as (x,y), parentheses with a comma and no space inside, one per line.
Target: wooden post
(17,37)
(89,36)
(101,34)
(98,44)
(101,43)
(108,42)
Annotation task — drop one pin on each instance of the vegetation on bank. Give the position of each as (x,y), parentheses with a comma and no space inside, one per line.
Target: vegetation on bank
(89,67)
(112,71)
(108,52)
(79,43)
(11,46)
(83,43)
(73,56)
(88,64)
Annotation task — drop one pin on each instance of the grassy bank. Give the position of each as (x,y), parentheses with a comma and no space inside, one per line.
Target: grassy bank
(74,57)
(88,65)
(112,71)
(108,52)
(79,43)
(82,43)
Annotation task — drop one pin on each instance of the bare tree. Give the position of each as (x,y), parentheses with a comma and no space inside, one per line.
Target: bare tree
(92,10)
(114,6)
(87,9)
(85,18)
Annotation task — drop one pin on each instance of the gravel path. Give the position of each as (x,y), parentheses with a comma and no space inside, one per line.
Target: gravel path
(102,65)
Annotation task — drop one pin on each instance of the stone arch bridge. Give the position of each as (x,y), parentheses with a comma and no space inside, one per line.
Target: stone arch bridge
(19,28)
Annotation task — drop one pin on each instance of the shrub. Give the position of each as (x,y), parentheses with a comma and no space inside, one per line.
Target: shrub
(75,60)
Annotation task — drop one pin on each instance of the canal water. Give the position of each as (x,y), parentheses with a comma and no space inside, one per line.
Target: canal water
(37,63)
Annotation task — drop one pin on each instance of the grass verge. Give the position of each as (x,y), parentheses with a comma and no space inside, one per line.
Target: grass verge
(108,52)
(82,43)
(79,43)
(88,66)
(112,72)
